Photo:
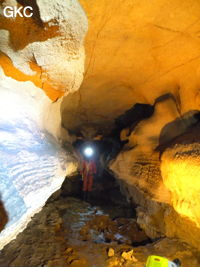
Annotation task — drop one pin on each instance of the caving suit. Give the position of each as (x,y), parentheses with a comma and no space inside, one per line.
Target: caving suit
(88,171)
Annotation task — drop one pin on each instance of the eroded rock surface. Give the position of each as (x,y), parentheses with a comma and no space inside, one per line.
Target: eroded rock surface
(54,238)
(47,48)
(45,51)
(165,186)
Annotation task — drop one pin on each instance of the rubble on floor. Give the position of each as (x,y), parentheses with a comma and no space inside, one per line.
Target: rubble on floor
(70,232)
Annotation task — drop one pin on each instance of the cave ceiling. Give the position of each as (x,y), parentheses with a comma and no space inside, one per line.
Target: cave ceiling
(135,52)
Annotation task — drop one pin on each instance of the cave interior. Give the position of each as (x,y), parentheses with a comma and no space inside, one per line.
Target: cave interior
(99,133)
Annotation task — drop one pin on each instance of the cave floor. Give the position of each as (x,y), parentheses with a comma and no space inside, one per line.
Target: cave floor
(71,232)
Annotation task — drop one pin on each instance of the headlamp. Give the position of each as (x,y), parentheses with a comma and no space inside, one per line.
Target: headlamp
(88,152)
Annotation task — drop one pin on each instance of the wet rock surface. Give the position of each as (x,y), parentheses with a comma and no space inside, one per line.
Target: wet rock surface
(70,232)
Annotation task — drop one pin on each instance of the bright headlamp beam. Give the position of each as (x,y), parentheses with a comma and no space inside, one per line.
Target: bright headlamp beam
(88,152)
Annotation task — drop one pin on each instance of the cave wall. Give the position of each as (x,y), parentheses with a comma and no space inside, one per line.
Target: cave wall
(165,193)
(32,163)
(47,48)
(41,59)
(159,172)
(138,52)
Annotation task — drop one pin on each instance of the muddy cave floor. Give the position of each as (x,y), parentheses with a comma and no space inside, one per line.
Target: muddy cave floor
(71,232)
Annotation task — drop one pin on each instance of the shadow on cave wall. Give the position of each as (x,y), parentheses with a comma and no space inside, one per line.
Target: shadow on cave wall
(183,130)
(112,144)
(138,112)
(3,216)
(129,120)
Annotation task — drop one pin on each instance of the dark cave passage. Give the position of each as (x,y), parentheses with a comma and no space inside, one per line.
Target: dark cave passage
(110,144)
(105,194)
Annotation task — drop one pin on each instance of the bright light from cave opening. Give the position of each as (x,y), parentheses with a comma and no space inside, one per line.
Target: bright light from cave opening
(88,152)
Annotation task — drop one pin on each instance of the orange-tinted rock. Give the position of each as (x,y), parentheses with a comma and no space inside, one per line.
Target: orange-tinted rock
(47,48)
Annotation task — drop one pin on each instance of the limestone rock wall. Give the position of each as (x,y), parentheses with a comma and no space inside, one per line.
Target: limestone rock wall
(43,52)
(47,48)
(181,175)
(164,185)
(32,163)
